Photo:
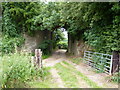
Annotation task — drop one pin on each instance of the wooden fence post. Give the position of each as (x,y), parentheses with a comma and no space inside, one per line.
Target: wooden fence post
(115,62)
(38,58)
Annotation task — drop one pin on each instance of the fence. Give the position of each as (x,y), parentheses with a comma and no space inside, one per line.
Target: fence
(37,59)
(101,62)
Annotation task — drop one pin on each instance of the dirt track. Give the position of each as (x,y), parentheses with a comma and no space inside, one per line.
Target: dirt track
(60,56)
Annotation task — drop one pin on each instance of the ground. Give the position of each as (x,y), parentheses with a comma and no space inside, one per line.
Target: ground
(65,74)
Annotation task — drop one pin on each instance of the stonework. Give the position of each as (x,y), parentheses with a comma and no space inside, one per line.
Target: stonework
(33,42)
(77,47)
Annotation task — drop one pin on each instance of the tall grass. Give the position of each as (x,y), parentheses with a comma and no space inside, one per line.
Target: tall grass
(16,70)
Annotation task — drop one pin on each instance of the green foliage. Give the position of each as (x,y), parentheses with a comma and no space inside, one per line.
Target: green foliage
(103,34)
(45,56)
(99,62)
(89,21)
(44,84)
(31,16)
(62,45)
(17,69)
(58,35)
(72,17)
(45,46)
(0,21)
(59,39)
(48,82)
(8,27)
(10,32)
(20,17)
(116,77)
(49,16)
(7,44)
(21,13)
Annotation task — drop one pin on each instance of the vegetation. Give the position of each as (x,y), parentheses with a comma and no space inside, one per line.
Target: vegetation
(76,60)
(62,45)
(45,46)
(68,73)
(20,17)
(85,78)
(45,56)
(115,77)
(90,21)
(17,70)
(67,76)
(87,21)
(58,37)
(47,81)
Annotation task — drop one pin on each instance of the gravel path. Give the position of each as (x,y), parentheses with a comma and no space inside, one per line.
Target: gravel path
(60,56)
(57,57)
(99,78)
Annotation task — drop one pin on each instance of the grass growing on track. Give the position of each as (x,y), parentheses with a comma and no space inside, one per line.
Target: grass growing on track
(47,81)
(69,65)
(89,82)
(64,73)
(76,60)
(69,79)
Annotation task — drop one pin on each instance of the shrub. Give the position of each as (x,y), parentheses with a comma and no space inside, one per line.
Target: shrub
(45,56)
(45,46)
(62,45)
(17,69)
(7,44)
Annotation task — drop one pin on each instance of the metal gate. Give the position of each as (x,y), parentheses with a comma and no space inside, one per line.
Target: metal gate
(99,61)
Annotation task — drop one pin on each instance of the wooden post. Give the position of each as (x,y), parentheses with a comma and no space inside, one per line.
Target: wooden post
(38,58)
(115,62)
